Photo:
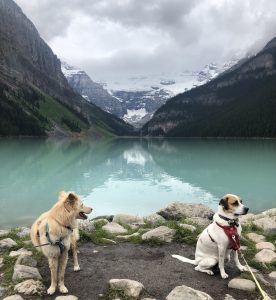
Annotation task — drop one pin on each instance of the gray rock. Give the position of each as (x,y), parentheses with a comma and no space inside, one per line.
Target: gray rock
(178,210)
(242,284)
(14,297)
(184,292)
(26,260)
(127,237)
(69,297)
(203,222)
(265,256)
(256,238)
(163,233)
(24,231)
(4,232)
(228,297)
(30,287)
(86,225)
(247,218)
(154,219)
(7,244)
(127,219)
(3,291)
(265,245)
(25,272)
(130,287)
(108,241)
(272,275)
(19,252)
(188,227)
(268,224)
(243,248)
(114,228)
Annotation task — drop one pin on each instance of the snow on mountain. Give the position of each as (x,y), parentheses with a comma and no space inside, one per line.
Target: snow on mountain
(135,98)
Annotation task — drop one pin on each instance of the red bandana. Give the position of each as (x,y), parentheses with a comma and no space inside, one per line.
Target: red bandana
(233,236)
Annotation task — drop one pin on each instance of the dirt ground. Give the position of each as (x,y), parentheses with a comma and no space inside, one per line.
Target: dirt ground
(152,266)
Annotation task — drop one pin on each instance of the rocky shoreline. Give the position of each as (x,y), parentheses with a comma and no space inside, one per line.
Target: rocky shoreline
(178,223)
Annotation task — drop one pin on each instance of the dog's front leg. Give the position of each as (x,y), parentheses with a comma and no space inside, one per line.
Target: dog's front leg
(237,262)
(53,264)
(62,266)
(221,252)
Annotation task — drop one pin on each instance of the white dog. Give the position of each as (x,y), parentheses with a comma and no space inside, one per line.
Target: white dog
(221,237)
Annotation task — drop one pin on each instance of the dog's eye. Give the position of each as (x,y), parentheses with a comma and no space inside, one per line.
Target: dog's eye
(236,203)
(240,201)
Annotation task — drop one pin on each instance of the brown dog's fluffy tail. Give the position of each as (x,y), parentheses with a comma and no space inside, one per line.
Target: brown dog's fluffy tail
(184,259)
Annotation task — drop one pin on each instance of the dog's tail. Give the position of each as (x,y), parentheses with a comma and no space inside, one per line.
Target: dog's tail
(184,259)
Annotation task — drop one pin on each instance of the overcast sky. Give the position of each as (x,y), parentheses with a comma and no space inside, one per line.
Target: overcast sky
(121,37)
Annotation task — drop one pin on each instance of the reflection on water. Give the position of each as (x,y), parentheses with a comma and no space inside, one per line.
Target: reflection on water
(132,175)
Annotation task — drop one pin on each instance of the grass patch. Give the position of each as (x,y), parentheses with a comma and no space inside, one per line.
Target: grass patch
(96,237)
(8,270)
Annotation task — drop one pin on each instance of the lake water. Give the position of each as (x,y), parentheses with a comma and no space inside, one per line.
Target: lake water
(132,175)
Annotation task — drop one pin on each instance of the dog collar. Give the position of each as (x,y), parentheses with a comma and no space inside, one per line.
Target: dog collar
(231,222)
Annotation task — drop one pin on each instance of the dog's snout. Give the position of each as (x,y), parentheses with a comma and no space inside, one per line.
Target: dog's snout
(246,209)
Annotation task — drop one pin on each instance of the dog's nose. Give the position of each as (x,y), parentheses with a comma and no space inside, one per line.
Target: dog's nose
(246,209)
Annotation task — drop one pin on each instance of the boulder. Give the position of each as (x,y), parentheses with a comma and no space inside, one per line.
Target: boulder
(178,210)
(69,297)
(242,284)
(265,245)
(247,218)
(30,287)
(25,272)
(163,233)
(14,297)
(265,256)
(272,275)
(228,297)
(7,243)
(203,222)
(127,219)
(187,227)
(130,287)
(86,225)
(24,231)
(19,252)
(154,219)
(127,237)
(184,292)
(114,228)
(26,260)
(4,232)
(256,238)
(268,224)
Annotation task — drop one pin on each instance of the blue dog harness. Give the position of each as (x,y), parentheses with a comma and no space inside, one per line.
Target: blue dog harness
(58,242)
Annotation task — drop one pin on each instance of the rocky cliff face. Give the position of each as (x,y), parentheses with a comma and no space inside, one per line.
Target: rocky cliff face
(34,89)
(92,91)
(239,102)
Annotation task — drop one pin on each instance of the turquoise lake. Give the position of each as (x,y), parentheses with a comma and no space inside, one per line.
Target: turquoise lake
(135,176)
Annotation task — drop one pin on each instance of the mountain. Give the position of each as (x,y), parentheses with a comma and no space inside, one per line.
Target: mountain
(92,91)
(240,102)
(35,97)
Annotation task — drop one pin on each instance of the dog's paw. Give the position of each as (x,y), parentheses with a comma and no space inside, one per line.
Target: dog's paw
(209,272)
(224,275)
(76,268)
(243,268)
(51,290)
(63,289)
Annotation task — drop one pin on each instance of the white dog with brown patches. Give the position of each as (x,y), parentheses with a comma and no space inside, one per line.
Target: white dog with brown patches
(220,238)
(55,231)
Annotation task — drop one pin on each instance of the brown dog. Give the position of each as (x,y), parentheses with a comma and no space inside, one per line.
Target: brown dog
(55,231)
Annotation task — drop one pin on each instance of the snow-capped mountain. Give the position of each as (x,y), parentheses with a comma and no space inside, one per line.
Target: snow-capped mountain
(136,98)
(92,91)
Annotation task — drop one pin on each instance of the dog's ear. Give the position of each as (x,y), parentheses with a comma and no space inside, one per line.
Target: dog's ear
(223,202)
(70,201)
